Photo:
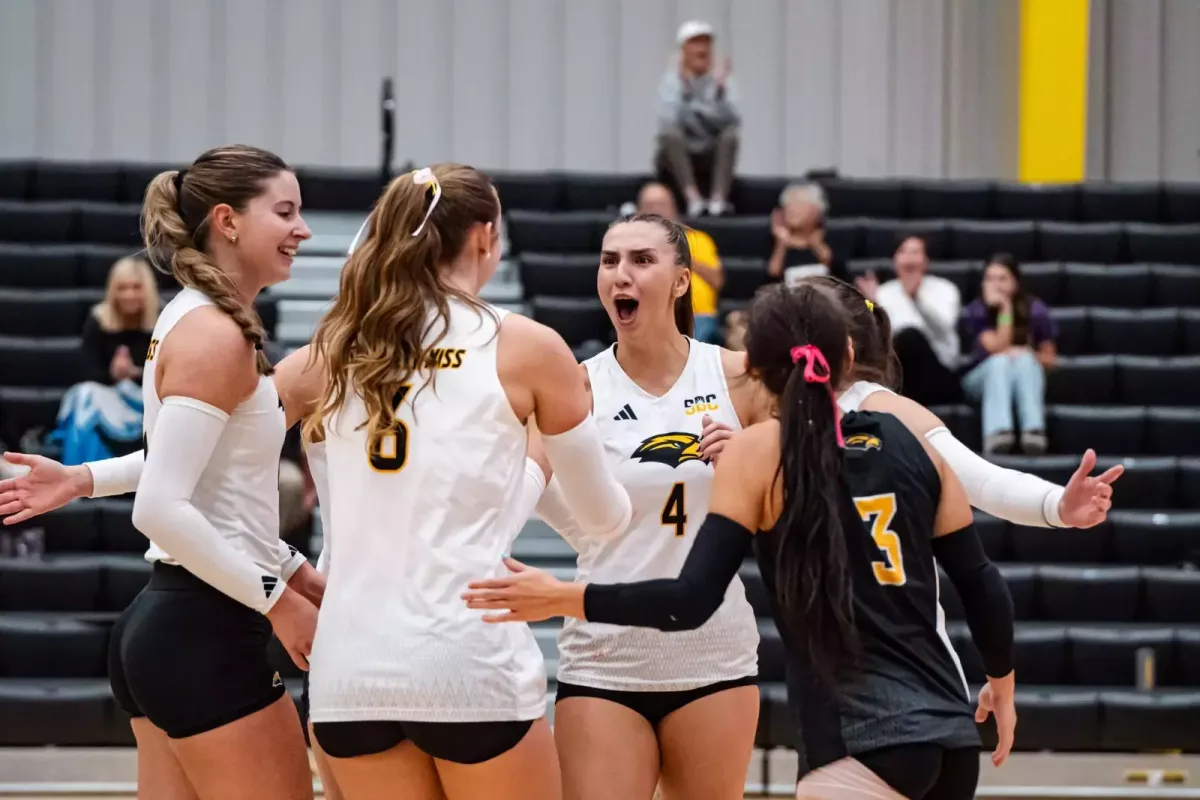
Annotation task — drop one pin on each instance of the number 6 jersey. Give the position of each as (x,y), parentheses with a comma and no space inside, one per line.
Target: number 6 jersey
(416,515)
(653,447)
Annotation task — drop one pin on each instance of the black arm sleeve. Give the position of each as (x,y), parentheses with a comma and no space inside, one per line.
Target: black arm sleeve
(984,594)
(676,604)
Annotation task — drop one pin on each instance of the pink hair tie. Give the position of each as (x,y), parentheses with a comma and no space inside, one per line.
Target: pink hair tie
(814,358)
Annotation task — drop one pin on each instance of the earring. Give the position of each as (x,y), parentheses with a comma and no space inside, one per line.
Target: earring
(233,239)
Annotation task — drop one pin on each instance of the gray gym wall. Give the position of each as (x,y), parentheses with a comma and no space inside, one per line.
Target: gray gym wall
(871,87)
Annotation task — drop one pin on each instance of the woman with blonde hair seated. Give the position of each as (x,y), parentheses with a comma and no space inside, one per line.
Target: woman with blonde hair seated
(102,415)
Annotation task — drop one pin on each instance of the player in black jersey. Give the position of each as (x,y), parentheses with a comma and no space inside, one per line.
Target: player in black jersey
(850,513)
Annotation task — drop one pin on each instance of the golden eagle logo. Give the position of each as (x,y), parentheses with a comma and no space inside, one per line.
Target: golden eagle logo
(671,449)
(863,441)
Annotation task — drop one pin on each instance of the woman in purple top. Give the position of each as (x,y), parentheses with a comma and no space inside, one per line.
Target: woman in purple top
(1014,345)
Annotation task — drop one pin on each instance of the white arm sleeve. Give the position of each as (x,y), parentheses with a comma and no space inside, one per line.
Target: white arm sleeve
(532,487)
(318,467)
(114,476)
(185,435)
(555,512)
(599,504)
(1004,493)
(290,560)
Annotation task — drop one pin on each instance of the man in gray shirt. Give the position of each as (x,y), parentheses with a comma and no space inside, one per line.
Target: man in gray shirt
(698,123)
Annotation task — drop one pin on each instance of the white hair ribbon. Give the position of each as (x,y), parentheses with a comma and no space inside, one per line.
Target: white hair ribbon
(425,177)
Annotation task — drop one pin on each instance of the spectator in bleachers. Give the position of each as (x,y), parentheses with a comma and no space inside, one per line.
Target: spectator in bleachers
(798,227)
(924,310)
(707,276)
(698,123)
(101,417)
(1013,337)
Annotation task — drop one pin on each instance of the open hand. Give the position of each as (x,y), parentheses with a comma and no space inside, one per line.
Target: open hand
(526,594)
(44,486)
(996,698)
(1086,501)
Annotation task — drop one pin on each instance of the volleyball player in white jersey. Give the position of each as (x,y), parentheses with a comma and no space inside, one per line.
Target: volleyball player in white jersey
(1005,493)
(423,417)
(635,706)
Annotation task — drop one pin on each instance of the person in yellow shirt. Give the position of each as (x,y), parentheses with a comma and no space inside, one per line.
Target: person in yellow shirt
(707,276)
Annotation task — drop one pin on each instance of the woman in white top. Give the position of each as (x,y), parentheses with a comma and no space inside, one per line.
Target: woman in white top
(637,707)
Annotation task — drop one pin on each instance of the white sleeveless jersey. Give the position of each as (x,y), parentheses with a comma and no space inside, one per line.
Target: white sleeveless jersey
(413,519)
(238,492)
(652,445)
(859,391)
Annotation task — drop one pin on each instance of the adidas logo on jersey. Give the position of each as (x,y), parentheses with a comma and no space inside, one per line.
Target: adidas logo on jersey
(625,413)
(269,584)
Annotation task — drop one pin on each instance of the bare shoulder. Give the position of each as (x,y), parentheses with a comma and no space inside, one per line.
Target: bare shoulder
(751,400)
(300,382)
(206,357)
(525,344)
(733,362)
(755,449)
(916,417)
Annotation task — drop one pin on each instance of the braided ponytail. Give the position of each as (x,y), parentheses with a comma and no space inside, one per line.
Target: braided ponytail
(175,226)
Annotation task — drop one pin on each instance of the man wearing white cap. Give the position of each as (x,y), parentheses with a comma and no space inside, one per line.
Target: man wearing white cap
(698,122)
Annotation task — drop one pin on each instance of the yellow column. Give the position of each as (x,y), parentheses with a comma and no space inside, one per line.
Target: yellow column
(1053,105)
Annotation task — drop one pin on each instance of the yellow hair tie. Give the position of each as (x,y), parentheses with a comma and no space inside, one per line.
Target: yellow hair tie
(870,306)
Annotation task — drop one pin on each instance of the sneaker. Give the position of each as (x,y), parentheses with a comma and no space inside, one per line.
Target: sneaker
(696,208)
(999,443)
(718,207)
(1033,443)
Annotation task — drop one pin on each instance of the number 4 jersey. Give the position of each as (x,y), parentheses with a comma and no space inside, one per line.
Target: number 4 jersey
(416,515)
(653,446)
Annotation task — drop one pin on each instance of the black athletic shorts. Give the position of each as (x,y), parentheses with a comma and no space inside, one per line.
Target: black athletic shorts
(460,742)
(926,771)
(653,706)
(190,658)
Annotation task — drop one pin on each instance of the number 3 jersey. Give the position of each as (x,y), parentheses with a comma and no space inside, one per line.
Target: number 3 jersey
(415,516)
(653,446)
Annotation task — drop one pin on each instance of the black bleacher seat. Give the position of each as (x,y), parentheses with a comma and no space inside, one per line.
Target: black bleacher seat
(1121,202)
(845,238)
(39,362)
(1054,718)
(576,319)
(1107,655)
(966,275)
(950,200)
(980,240)
(853,197)
(1148,721)
(1040,654)
(1173,595)
(1107,429)
(1095,243)
(35,223)
(123,576)
(38,266)
(115,530)
(45,312)
(531,192)
(756,195)
(743,277)
(558,275)
(70,529)
(339,189)
(136,177)
(1181,203)
(1082,380)
(1117,285)
(110,223)
(52,583)
(1044,280)
(1155,537)
(1187,475)
(993,532)
(1187,654)
(549,232)
(52,647)
(1159,381)
(1164,244)
(1025,201)
(585,192)
(881,237)
(96,261)
(25,408)
(1089,594)
(1073,330)
(1173,431)
(1189,329)
(1175,285)
(267,306)
(1021,580)
(15,180)
(66,712)
(1069,546)
(101,183)
(1146,331)
(743,237)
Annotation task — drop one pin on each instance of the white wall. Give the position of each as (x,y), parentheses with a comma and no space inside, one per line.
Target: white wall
(872,87)
(1144,90)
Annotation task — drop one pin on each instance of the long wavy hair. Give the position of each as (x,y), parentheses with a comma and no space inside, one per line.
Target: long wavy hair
(378,331)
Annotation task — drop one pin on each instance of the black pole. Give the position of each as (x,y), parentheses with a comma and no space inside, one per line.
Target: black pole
(387,109)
